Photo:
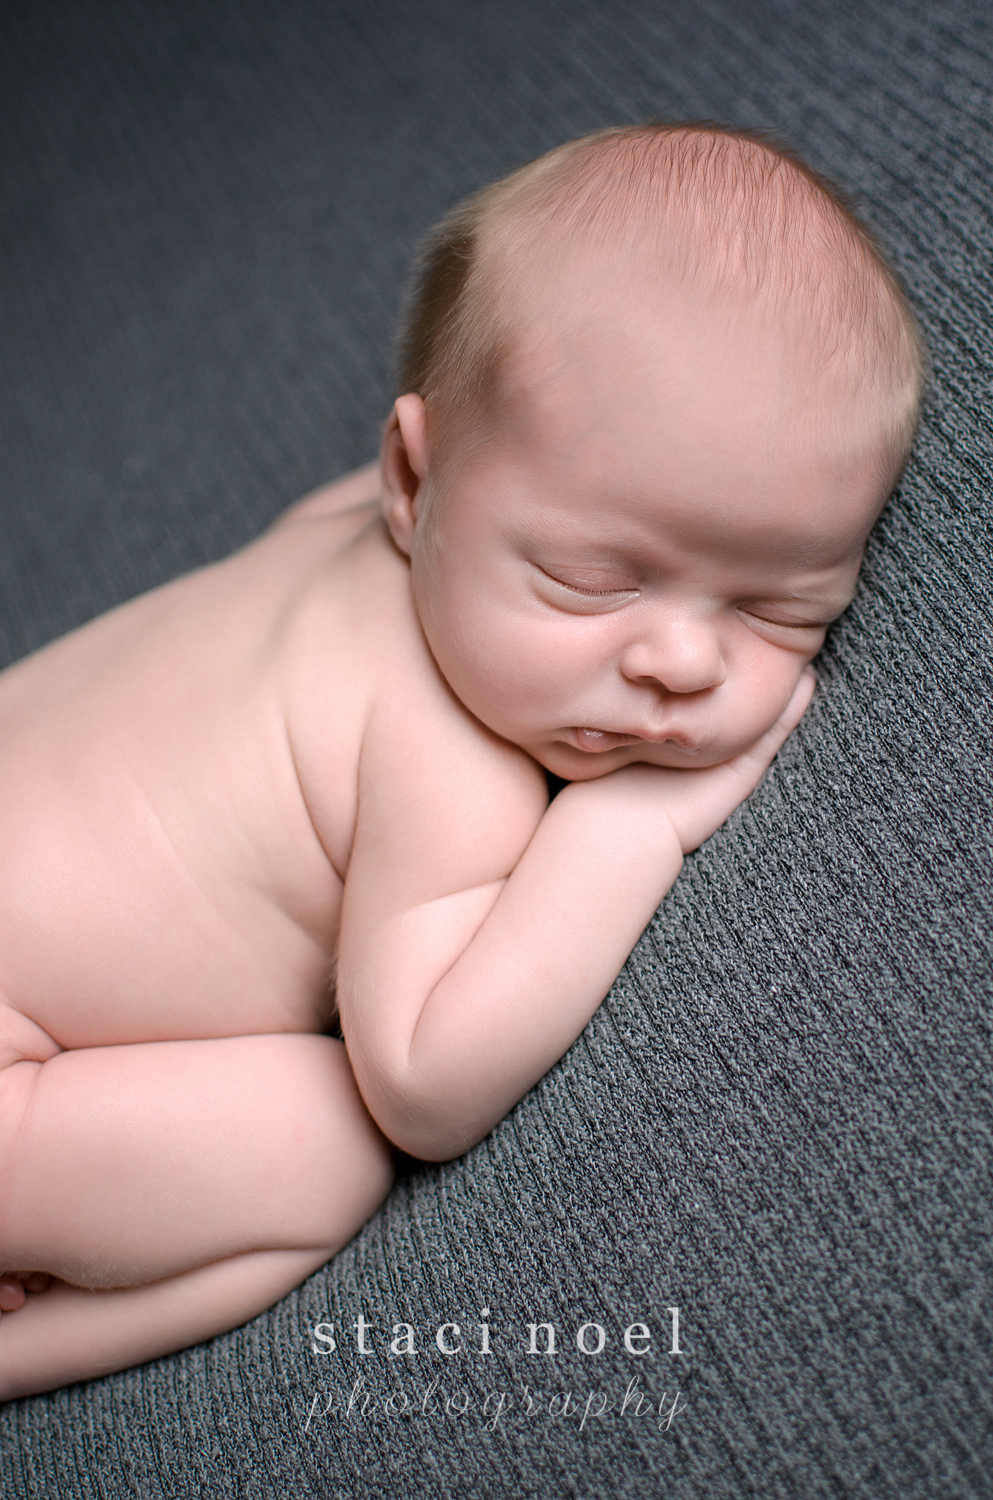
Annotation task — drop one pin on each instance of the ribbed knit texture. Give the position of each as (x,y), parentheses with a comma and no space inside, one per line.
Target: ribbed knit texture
(780,1120)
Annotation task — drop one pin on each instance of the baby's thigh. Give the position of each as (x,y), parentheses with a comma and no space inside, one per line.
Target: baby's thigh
(22,1039)
(123,1164)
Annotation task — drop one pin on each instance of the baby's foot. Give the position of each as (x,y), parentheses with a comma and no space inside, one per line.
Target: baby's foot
(15,1285)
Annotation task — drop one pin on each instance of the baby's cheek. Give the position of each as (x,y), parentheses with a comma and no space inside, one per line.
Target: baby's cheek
(765,698)
(742,713)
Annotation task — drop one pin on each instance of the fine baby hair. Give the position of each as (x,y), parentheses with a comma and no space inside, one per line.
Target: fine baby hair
(702,204)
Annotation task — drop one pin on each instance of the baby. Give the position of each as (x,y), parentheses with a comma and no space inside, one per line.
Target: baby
(657,387)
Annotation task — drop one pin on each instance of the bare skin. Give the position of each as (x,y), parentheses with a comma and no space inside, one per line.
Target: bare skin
(331,744)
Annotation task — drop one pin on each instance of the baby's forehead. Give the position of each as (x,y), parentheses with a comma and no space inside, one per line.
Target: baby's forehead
(582,336)
(610,400)
(612,233)
(547,290)
(660,265)
(596,348)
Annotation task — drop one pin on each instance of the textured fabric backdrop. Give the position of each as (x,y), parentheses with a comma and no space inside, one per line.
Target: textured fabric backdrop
(779,1122)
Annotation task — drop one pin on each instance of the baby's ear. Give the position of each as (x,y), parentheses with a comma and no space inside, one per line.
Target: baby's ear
(405,468)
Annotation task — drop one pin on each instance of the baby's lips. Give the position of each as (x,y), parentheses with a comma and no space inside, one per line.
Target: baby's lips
(596,741)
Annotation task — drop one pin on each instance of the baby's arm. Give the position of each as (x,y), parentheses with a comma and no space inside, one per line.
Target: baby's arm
(454,1005)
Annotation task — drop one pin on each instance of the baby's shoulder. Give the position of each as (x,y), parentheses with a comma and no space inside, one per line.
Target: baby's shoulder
(425,770)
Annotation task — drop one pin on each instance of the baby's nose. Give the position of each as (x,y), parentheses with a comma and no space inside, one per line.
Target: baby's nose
(679,653)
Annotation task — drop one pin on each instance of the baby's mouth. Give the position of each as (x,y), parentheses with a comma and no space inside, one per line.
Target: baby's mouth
(595,741)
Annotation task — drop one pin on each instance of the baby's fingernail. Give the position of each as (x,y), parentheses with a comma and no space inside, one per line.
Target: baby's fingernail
(11,1296)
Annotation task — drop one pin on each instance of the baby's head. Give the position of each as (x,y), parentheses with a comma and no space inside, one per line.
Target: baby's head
(657,387)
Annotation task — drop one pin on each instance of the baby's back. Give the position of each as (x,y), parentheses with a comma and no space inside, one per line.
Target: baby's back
(178,790)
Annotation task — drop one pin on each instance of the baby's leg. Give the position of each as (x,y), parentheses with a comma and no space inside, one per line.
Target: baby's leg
(233,1167)
(68,1333)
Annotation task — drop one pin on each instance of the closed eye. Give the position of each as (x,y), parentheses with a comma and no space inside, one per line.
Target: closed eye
(590,593)
(580,597)
(753,614)
(795,635)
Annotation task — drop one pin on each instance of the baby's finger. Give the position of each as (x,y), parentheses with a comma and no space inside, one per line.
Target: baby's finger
(797,706)
(764,749)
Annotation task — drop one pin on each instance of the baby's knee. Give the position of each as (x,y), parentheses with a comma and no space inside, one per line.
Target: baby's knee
(373,1172)
(352,1168)
(363,1158)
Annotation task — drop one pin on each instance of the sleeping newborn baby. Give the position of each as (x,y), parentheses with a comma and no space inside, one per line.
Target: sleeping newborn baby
(657,387)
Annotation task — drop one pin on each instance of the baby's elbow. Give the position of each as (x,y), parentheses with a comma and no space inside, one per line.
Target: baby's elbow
(423,1127)
(420,1103)
(428,1138)
(434,1145)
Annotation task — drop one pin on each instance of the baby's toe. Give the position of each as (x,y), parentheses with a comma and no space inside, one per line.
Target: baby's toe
(38,1281)
(11,1296)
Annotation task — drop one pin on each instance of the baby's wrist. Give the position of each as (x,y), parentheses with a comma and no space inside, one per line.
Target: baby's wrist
(633,808)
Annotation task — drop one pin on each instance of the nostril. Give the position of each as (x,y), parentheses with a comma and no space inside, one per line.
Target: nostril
(680,672)
(678,646)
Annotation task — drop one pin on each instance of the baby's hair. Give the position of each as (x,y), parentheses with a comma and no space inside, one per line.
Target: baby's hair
(732,207)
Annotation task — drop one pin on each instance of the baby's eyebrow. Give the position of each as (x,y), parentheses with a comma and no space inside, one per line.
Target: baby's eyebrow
(572,547)
(826,604)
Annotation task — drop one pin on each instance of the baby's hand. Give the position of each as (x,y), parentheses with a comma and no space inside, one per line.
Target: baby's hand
(696,803)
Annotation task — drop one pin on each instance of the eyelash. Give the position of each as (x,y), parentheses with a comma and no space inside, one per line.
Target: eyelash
(588,593)
(785,624)
(594,593)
